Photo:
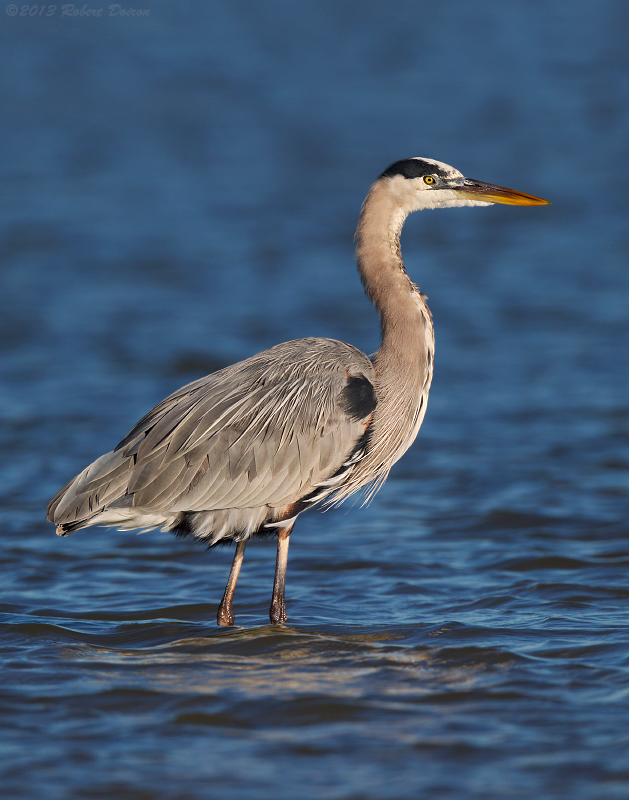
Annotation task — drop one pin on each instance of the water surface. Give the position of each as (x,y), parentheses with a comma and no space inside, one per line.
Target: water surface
(180,192)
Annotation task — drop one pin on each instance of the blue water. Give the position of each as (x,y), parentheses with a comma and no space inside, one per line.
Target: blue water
(179,192)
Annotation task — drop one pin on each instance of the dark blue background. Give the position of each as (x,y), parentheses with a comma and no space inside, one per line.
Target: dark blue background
(180,191)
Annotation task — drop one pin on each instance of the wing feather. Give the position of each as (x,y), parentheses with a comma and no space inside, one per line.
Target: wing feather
(263,432)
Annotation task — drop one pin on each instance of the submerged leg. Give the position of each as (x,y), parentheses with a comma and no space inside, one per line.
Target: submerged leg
(225,616)
(278,606)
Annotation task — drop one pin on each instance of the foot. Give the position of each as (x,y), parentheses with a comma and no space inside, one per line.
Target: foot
(277,613)
(225,617)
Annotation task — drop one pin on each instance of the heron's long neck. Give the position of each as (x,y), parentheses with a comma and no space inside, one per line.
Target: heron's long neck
(407,336)
(403,363)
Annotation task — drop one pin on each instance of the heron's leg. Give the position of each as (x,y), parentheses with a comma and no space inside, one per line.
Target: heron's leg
(278,606)
(225,616)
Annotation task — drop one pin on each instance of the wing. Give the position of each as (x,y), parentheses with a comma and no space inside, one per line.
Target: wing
(265,431)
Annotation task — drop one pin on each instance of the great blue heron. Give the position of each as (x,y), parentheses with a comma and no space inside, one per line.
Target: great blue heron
(242,452)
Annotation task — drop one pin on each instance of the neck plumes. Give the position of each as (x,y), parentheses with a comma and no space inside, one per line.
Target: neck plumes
(403,362)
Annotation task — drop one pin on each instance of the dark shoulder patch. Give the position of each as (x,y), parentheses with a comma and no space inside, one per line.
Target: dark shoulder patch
(412,168)
(358,398)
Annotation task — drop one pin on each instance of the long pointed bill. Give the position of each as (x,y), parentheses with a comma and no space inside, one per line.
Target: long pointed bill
(470,189)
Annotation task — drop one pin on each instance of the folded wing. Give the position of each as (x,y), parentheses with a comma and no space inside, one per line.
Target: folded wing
(262,433)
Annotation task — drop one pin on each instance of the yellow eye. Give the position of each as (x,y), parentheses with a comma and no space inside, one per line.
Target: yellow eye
(428,179)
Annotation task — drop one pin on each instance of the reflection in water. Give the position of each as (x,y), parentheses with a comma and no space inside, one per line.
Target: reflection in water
(264,664)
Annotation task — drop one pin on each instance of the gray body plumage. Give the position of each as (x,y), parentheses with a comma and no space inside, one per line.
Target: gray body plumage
(230,455)
(244,451)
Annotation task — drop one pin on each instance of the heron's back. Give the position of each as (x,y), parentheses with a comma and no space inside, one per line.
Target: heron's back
(231,454)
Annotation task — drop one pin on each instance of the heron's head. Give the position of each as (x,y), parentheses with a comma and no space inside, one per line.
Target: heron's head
(418,183)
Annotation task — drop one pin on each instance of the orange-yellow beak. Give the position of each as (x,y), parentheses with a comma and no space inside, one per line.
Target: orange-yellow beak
(470,189)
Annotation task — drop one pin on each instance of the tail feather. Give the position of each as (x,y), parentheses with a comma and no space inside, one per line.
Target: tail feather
(65,528)
(100,485)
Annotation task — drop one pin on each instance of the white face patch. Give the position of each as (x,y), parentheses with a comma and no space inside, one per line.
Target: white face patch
(445,198)
(412,194)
